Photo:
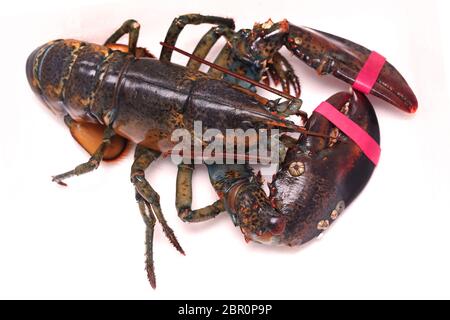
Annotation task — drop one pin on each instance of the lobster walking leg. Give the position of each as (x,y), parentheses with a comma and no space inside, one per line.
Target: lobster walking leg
(184,198)
(203,214)
(207,42)
(180,22)
(130,27)
(93,162)
(223,59)
(225,27)
(149,220)
(149,205)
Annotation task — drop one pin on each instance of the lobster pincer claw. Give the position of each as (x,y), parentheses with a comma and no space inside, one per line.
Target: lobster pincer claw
(320,177)
(317,180)
(329,54)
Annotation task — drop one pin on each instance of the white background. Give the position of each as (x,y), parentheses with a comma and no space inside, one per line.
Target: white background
(87,240)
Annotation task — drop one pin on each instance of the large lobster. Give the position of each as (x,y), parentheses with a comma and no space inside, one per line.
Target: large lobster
(111,94)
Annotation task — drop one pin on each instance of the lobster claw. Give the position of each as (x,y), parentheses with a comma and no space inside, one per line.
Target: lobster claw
(316,181)
(329,54)
(326,175)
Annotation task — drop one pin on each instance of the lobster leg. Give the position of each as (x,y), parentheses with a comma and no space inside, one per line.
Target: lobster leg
(145,193)
(207,42)
(93,162)
(225,27)
(203,214)
(223,59)
(184,198)
(329,54)
(150,220)
(180,22)
(130,27)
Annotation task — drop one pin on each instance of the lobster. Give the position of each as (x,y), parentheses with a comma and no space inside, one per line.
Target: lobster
(111,94)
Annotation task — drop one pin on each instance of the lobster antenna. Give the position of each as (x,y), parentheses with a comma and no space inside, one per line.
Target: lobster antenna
(251,81)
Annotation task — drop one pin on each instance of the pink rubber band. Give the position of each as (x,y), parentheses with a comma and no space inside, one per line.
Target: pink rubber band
(365,142)
(369,73)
